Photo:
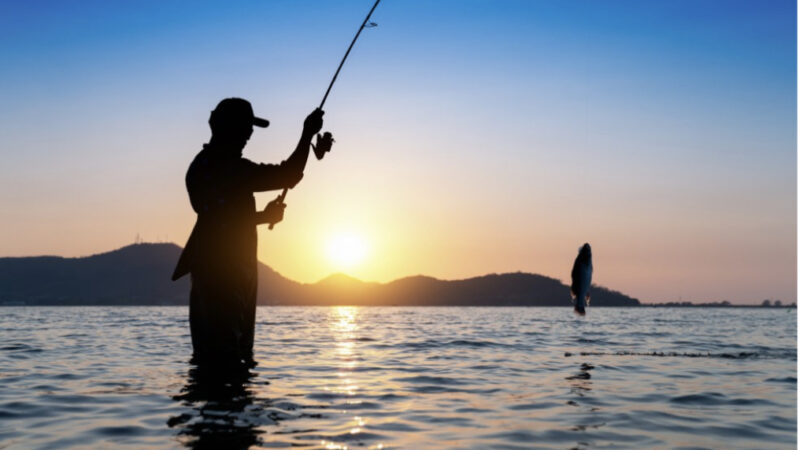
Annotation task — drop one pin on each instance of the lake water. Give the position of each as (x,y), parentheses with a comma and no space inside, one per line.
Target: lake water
(405,378)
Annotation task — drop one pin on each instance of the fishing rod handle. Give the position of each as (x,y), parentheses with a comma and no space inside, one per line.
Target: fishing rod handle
(280,197)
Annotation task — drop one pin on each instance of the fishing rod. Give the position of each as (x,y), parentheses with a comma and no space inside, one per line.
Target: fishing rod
(358,33)
(325,141)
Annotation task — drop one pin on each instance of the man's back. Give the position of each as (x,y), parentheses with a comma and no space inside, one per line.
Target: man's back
(225,207)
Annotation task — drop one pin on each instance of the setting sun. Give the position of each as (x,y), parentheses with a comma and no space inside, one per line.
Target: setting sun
(346,250)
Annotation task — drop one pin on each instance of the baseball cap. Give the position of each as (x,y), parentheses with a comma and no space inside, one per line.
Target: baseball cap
(235,111)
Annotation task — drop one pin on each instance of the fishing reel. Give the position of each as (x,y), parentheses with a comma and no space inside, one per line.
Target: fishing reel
(324,143)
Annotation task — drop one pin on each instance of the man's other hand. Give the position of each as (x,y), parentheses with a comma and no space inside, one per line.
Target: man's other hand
(274,211)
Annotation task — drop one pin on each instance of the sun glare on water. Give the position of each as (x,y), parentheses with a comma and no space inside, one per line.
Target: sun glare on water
(346,250)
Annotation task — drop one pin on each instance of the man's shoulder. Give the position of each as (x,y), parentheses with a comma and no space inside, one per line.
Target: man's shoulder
(206,158)
(202,156)
(201,164)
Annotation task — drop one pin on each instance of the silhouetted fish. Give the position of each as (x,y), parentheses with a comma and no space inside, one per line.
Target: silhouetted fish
(582,279)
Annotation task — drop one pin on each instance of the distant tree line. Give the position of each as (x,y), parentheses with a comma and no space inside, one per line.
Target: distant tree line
(723,304)
(777,304)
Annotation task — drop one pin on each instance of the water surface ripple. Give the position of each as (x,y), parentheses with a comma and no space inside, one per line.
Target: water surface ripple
(342,377)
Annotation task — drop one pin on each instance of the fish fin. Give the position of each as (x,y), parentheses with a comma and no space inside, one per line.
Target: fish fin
(573,293)
(588,298)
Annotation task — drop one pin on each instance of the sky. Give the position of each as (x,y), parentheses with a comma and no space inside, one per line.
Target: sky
(472,136)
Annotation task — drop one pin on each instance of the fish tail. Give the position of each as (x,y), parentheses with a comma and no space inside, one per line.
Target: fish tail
(580,310)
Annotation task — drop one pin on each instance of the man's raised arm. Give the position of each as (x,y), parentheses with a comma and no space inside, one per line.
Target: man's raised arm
(267,177)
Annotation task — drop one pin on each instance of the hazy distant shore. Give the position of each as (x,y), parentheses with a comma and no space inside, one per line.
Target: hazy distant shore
(139,275)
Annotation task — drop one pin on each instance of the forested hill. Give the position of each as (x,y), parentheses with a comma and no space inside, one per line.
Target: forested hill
(139,274)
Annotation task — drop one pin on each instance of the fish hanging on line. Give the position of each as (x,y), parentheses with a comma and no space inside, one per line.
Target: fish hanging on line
(582,279)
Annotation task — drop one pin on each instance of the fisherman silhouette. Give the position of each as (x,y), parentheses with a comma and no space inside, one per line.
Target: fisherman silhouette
(220,254)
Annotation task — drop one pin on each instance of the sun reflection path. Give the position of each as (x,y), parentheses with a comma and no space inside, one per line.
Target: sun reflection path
(344,330)
(344,326)
(346,323)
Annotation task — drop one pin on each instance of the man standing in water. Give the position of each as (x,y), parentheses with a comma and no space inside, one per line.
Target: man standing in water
(221,251)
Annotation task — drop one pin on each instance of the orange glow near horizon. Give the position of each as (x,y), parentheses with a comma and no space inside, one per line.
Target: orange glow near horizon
(346,250)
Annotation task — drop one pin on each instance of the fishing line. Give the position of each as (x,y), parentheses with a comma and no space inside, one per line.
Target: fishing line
(324,143)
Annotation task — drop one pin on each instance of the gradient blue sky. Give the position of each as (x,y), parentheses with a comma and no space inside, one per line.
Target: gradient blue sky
(472,136)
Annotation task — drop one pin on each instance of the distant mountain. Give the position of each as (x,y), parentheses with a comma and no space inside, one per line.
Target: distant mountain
(139,274)
(131,275)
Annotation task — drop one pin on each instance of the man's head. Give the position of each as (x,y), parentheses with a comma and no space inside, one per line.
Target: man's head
(232,122)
